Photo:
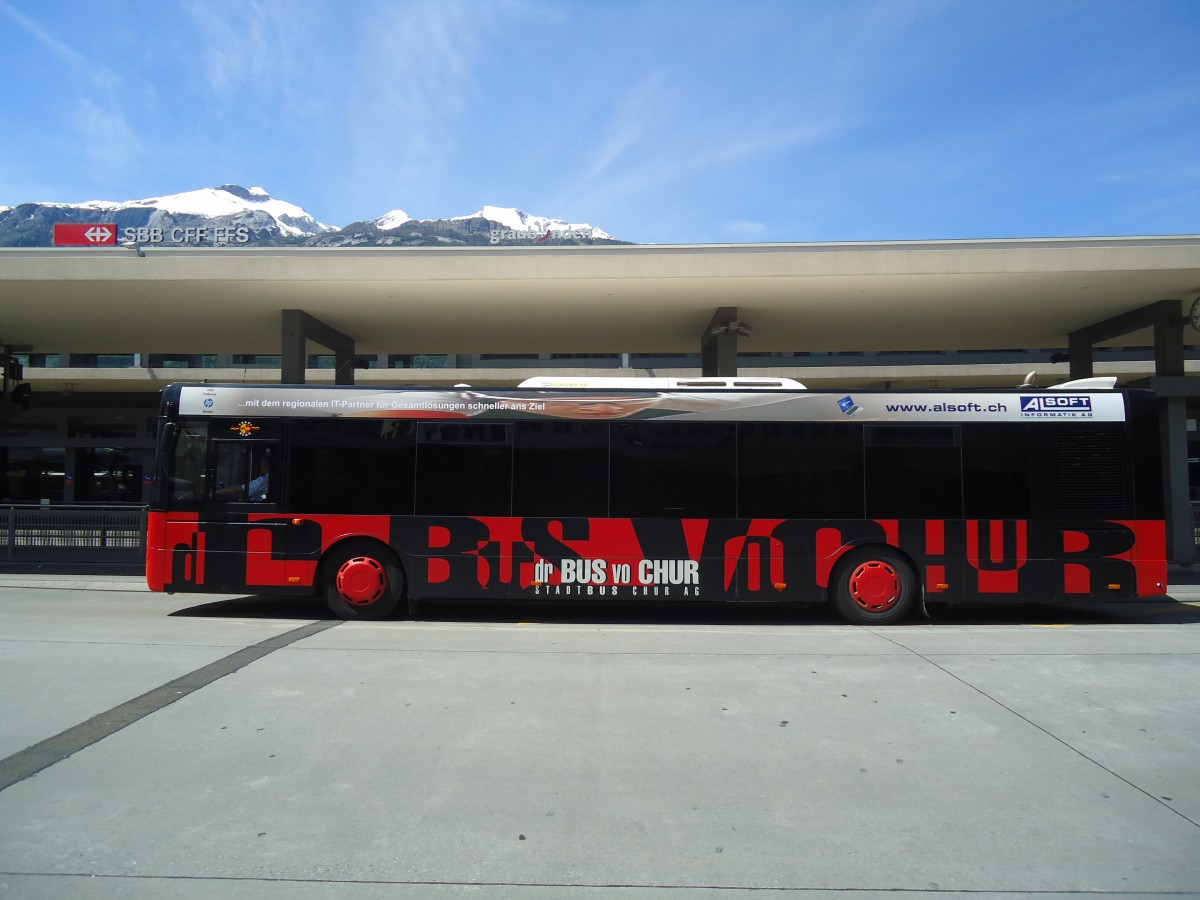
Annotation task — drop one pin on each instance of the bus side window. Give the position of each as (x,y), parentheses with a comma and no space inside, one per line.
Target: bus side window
(355,466)
(560,469)
(241,472)
(464,469)
(913,472)
(800,470)
(996,467)
(673,469)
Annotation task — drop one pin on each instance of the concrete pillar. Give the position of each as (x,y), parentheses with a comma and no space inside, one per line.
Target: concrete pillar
(298,328)
(718,344)
(1168,344)
(1080,356)
(1168,361)
(1172,425)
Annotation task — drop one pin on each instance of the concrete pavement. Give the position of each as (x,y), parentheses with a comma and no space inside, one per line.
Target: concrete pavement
(584,751)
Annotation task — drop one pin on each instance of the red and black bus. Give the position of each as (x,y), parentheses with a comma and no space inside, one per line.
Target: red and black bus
(658,489)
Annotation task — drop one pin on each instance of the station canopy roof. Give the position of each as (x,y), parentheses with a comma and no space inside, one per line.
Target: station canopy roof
(910,295)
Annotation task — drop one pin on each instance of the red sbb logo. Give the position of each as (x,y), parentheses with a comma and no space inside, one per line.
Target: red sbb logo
(74,234)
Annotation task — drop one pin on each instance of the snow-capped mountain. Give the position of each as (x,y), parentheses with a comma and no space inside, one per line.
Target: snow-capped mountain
(392,220)
(238,216)
(505,225)
(515,220)
(249,216)
(231,201)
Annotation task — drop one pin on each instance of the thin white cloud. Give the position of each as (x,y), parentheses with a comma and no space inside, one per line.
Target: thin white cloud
(671,160)
(245,45)
(415,81)
(61,50)
(111,142)
(405,62)
(106,141)
(638,125)
(421,58)
(755,146)
(631,123)
(95,76)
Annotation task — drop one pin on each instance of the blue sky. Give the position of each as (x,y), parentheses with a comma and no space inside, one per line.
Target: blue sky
(680,121)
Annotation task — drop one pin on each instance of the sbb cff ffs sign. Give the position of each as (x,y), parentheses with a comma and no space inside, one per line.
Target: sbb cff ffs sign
(86,234)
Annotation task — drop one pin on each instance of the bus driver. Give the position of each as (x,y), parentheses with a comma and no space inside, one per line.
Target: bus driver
(255,491)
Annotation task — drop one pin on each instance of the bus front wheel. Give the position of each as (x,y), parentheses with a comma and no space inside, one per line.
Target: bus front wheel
(362,580)
(874,586)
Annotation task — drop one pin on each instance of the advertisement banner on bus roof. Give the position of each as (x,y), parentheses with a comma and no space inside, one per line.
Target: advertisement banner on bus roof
(499,403)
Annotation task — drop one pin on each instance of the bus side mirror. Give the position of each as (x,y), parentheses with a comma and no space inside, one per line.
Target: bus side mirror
(170,438)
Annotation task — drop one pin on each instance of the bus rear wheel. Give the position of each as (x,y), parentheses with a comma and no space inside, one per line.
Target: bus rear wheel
(874,586)
(362,580)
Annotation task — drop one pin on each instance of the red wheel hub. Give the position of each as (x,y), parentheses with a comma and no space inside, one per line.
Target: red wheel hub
(362,581)
(875,586)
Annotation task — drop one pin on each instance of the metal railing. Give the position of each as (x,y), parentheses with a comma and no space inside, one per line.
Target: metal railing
(73,534)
